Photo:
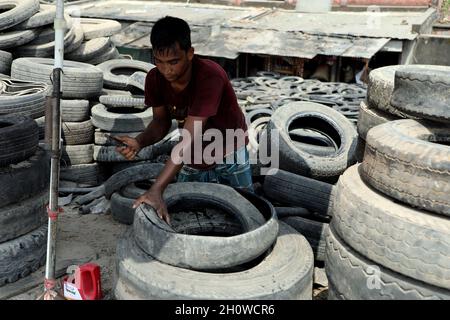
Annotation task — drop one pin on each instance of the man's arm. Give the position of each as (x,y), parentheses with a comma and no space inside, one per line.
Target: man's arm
(173,165)
(155,131)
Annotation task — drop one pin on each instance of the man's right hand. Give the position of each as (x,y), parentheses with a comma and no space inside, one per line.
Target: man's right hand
(131,149)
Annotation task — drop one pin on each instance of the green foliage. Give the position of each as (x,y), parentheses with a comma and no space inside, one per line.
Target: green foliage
(445,6)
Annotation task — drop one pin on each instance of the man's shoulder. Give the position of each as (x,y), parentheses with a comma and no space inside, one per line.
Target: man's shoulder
(208,68)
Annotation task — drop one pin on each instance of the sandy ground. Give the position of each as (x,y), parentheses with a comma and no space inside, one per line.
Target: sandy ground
(94,237)
(91,236)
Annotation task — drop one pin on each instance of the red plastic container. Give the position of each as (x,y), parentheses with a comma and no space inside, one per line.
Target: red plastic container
(84,284)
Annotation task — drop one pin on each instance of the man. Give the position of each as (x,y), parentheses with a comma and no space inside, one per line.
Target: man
(198,94)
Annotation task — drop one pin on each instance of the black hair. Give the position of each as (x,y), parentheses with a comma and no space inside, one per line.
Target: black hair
(167,31)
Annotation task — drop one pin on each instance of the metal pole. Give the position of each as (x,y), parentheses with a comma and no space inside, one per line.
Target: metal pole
(55,141)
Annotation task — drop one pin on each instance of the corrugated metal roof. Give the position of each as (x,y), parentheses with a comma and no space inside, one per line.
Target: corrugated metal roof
(224,31)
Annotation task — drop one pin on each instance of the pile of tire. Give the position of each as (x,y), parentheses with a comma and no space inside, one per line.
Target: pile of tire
(270,90)
(123,113)
(220,245)
(24,179)
(79,82)
(315,145)
(389,236)
(26,28)
(23,97)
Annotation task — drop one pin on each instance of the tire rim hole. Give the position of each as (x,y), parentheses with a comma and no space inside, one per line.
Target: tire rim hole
(124,71)
(125,110)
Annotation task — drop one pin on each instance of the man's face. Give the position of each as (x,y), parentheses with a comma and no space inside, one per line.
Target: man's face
(174,62)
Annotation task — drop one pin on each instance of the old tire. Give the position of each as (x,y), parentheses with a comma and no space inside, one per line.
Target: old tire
(204,253)
(14,12)
(319,117)
(5,62)
(76,133)
(381,87)
(314,231)
(352,276)
(109,120)
(24,179)
(370,117)
(19,138)
(294,190)
(286,273)
(402,161)
(79,80)
(22,255)
(20,218)
(75,110)
(77,154)
(124,68)
(407,241)
(423,93)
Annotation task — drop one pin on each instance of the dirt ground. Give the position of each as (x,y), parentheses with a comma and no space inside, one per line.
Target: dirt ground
(93,238)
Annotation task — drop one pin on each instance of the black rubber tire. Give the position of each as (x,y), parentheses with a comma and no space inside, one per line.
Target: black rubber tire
(24,179)
(5,62)
(423,93)
(160,241)
(106,120)
(79,80)
(121,179)
(78,154)
(332,123)
(294,190)
(286,273)
(87,174)
(314,231)
(75,110)
(404,240)
(16,11)
(41,127)
(20,218)
(370,117)
(19,138)
(350,274)
(22,255)
(76,133)
(402,161)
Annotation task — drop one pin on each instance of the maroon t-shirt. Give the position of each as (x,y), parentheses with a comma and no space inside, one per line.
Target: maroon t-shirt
(208,94)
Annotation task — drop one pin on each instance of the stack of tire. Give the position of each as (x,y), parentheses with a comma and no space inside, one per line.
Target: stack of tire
(389,236)
(377,108)
(24,179)
(25,98)
(232,247)
(123,112)
(79,82)
(316,145)
(27,31)
(97,46)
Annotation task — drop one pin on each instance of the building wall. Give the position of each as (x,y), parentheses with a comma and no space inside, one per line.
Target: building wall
(384,2)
